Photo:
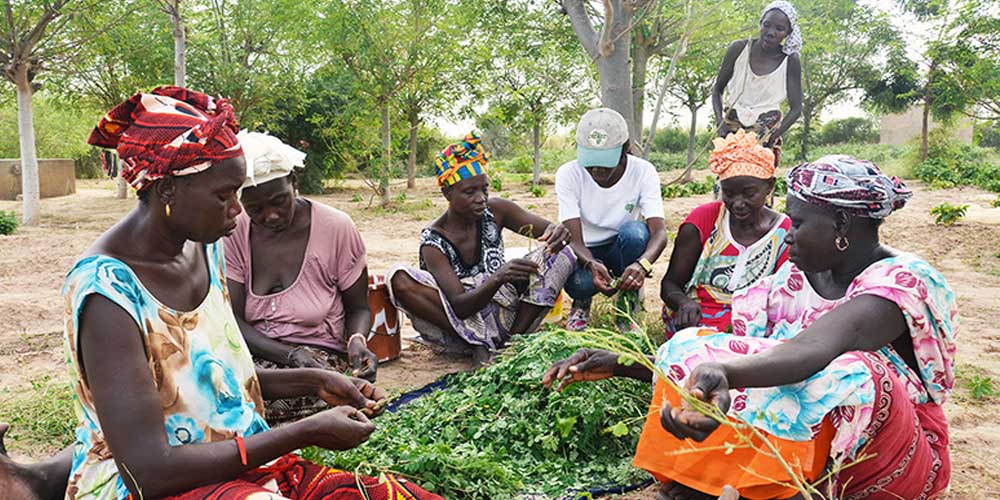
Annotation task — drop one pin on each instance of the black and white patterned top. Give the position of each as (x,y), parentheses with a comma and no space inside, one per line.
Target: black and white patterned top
(489,251)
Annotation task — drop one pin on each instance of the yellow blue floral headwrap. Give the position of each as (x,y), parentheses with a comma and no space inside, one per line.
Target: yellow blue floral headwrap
(461,160)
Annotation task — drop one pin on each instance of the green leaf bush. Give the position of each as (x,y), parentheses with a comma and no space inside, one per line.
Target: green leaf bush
(8,222)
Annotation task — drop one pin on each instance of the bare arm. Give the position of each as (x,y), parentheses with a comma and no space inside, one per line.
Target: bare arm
(128,405)
(725,74)
(864,323)
(357,314)
(794,86)
(683,259)
(464,302)
(657,239)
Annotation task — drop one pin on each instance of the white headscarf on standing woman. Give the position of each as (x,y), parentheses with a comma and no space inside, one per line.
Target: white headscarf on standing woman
(793,42)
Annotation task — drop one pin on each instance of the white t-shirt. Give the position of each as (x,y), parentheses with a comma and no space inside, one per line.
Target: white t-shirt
(603,210)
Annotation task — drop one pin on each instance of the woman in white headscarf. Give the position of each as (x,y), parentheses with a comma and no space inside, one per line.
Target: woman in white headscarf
(297,275)
(758,75)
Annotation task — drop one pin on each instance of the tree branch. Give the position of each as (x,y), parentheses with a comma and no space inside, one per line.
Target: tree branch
(581,25)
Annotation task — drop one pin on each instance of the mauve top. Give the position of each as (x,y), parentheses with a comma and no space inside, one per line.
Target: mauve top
(310,311)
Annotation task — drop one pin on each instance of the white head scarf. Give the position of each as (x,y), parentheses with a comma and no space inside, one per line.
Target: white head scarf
(267,157)
(793,42)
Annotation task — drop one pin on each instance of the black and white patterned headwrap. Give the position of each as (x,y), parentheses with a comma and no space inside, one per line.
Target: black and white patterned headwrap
(793,42)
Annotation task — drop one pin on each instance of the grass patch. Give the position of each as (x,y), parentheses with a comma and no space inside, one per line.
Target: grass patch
(40,419)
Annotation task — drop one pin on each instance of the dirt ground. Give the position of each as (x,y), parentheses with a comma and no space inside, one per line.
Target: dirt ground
(33,263)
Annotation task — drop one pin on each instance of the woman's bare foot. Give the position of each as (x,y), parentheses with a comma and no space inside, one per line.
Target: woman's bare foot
(677,491)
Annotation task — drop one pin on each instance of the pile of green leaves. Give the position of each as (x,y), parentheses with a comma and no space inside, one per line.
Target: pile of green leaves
(497,433)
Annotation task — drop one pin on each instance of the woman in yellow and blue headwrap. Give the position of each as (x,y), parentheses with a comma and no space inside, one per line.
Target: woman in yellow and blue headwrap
(466,297)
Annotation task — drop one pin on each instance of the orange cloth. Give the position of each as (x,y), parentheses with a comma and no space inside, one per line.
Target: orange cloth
(738,154)
(708,471)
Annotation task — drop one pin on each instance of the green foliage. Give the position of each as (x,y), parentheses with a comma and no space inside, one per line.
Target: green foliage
(688,189)
(982,387)
(8,222)
(496,182)
(357,198)
(61,128)
(780,186)
(551,159)
(995,203)
(952,163)
(537,191)
(42,417)
(987,135)
(496,432)
(892,160)
(947,214)
(855,130)
(670,140)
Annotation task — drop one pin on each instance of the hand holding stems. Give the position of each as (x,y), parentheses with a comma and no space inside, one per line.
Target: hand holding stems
(709,383)
(556,237)
(339,390)
(517,270)
(688,313)
(601,278)
(339,428)
(584,364)
(364,363)
(633,277)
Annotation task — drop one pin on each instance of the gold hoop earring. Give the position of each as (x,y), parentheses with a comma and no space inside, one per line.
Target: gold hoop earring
(167,210)
(842,243)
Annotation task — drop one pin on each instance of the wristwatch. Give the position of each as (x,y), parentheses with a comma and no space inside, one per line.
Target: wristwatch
(647,266)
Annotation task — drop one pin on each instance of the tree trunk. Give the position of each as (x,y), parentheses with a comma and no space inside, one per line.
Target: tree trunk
(925,130)
(536,142)
(613,69)
(640,63)
(29,161)
(383,176)
(692,136)
(180,44)
(411,161)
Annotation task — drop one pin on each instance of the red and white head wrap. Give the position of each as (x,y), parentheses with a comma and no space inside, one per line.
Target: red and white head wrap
(168,131)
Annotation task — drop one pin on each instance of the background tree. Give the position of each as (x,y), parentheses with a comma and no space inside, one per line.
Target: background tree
(173,9)
(532,68)
(692,86)
(40,35)
(846,48)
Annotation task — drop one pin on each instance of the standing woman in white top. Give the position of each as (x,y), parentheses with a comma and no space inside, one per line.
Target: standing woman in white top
(758,75)
(602,195)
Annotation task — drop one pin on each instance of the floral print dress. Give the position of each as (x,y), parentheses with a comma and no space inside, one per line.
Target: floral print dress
(198,360)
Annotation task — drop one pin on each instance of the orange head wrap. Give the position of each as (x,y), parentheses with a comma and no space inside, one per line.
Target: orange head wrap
(739,154)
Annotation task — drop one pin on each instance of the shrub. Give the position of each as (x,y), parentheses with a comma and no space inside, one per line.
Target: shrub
(537,191)
(988,135)
(688,189)
(952,163)
(995,203)
(854,130)
(947,214)
(8,222)
(670,140)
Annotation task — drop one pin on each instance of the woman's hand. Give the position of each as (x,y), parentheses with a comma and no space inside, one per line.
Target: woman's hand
(584,364)
(301,357)
(556,237)
(364,362)
(708,382)
(340,428)
(633,277)
(517,270)
(601,277)
(339,390)
(688,314)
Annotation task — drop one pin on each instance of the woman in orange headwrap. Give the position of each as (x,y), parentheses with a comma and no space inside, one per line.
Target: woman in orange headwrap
(724,246)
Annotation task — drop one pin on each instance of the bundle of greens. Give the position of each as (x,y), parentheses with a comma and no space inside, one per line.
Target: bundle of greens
(497,433)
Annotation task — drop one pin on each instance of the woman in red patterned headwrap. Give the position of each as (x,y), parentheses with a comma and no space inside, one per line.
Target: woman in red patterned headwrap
(169,400)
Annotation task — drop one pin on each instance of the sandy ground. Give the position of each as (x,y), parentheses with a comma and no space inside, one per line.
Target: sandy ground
(34,261)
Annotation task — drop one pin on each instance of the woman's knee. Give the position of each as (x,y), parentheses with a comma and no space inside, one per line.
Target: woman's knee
(580,285)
